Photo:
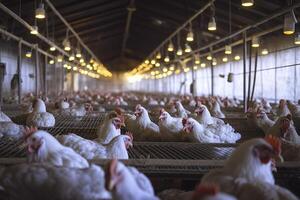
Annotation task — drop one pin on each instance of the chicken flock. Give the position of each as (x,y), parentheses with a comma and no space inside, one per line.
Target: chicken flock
(61,166)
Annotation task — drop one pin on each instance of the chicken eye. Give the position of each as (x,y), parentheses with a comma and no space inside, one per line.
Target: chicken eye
(33,139)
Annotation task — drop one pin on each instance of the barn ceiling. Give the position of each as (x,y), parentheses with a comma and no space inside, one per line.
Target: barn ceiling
(102,23)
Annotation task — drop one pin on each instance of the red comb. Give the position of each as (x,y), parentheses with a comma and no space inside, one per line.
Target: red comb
(205,190)
(275,143)
(29,131)
(184,121)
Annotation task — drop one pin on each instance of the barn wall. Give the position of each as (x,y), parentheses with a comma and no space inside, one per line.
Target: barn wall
(277,75)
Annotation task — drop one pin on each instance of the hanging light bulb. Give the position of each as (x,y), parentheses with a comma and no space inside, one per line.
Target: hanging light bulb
(66,44)
(72,57)
(212,26)
(28,54)
(297,39)
(177,71)
(195,67)
(225,59)
(40,12)
(34,30)
(197,59)
(153,62)
(179,52)
(51,62)
(202,65)
(289,23)
(188,48)
(78,53)
(190,35)
(214,61)
(228,50)
(209,57)
(167,59)
(147,62)
(237,57)
(170,46)
(81,60)
(59,58)
(52,48)
(158,56)
(172,67)
(165,69)
(255,42)
(157,64)
(247,3)
(265,52)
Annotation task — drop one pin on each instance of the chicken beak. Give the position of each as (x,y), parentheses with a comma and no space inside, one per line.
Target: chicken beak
(122,124)
(161,118)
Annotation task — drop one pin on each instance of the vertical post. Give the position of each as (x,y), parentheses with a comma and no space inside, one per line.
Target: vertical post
(212,78)
(62,79)
(193,81)
(54,84)
(45,76)
(244,69)
(36,70)
(249,75)
(72,80)
(19,67)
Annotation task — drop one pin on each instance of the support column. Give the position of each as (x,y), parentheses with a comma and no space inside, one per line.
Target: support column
(36,70)
(19,67)
(212,78)
(45,76)
(62,79)
(244,70)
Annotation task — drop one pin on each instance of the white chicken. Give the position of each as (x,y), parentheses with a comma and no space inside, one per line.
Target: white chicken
(171,128)
(266,105)
(43,181)
(216,110)
(249,168)
(215,125)
(180,110)
(263,121)
(44,148)
(197,132)
(127,183)
(39,116)
(116,148)
(204,117)
(110,128)
(11,130)
(145,128)
(284,128)
(282,109)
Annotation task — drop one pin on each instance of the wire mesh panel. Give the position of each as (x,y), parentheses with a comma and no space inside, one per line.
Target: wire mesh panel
(86,122)
(181,151)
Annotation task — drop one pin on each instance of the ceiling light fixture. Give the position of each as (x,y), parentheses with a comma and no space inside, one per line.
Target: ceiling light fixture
(289,23)
(255,42)
(247,3)
(40,12)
